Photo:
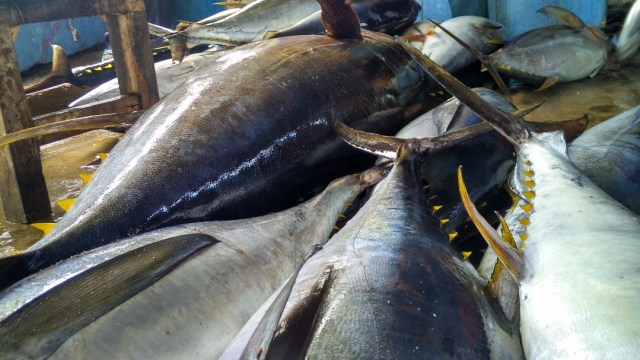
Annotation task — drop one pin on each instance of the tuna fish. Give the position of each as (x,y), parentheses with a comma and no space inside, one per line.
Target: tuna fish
(608,154)
(168,75)
(629,38)
(245,135)
(577,268)
(480,33)
(386,16)
(552,54)
(192,311)
(388,285)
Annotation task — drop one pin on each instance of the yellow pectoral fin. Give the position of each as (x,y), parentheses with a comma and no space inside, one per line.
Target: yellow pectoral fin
(510,256)
(45,227)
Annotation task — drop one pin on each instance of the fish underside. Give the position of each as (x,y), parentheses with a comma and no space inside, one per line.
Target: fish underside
(389,286)
(577,269)
(161,306)
(552,51)
(231,146)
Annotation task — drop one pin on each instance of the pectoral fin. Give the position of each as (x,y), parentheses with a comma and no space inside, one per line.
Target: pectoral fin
(260,341)
(549,82)
(509,256)
(295,331)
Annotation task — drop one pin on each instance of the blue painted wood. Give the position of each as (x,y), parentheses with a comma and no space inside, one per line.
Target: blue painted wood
(519,16)
(441,10)
(194,10)
(33,42)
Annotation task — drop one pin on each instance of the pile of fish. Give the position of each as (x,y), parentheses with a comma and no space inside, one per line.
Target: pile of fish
(190,241)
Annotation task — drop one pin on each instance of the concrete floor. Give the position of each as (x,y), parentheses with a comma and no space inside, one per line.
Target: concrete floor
(609,93)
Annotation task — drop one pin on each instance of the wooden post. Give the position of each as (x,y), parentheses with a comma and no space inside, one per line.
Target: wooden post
(129,37)
(22,187)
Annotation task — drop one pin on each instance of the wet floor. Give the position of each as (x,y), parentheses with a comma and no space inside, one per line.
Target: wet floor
(610,92)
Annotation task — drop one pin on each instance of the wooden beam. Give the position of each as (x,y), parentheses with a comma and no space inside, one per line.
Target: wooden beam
(133,62)
(22,187)
(54,98)
(121,104)
(18,12)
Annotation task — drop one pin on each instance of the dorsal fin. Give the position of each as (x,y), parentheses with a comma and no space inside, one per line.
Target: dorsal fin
(60,66)
(340,20)
(564,16)
(60,71)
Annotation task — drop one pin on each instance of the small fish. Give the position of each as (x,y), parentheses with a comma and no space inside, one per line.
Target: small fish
(552,54)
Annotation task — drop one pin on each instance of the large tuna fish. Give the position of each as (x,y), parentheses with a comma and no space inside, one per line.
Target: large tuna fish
(94,305)
(577,268)
(244,135)
(388,285)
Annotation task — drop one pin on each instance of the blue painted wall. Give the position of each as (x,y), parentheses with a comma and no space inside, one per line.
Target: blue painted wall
(33,41)
(517,16)
(194,10)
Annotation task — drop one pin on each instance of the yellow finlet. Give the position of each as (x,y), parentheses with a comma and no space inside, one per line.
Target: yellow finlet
(527,207)
(108,66)
(524,237)
(529,195)
(103,156)
(466,254)
(443,221)
(85,177)
(528,173)
(341,215)
(436,208)
(524,221)
(336,228)
(527,163)
(452,235)
(529,183)
(99,68)
(348,203)
(45,227)
(510,257)
(66,203)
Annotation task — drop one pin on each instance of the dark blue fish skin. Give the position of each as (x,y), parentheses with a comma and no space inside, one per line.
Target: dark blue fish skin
(397,290)
(230,146)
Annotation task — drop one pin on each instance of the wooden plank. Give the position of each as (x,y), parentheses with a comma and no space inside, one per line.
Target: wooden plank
(129,37)
(54,98)
(122,104)
(17,12)
(22,187)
